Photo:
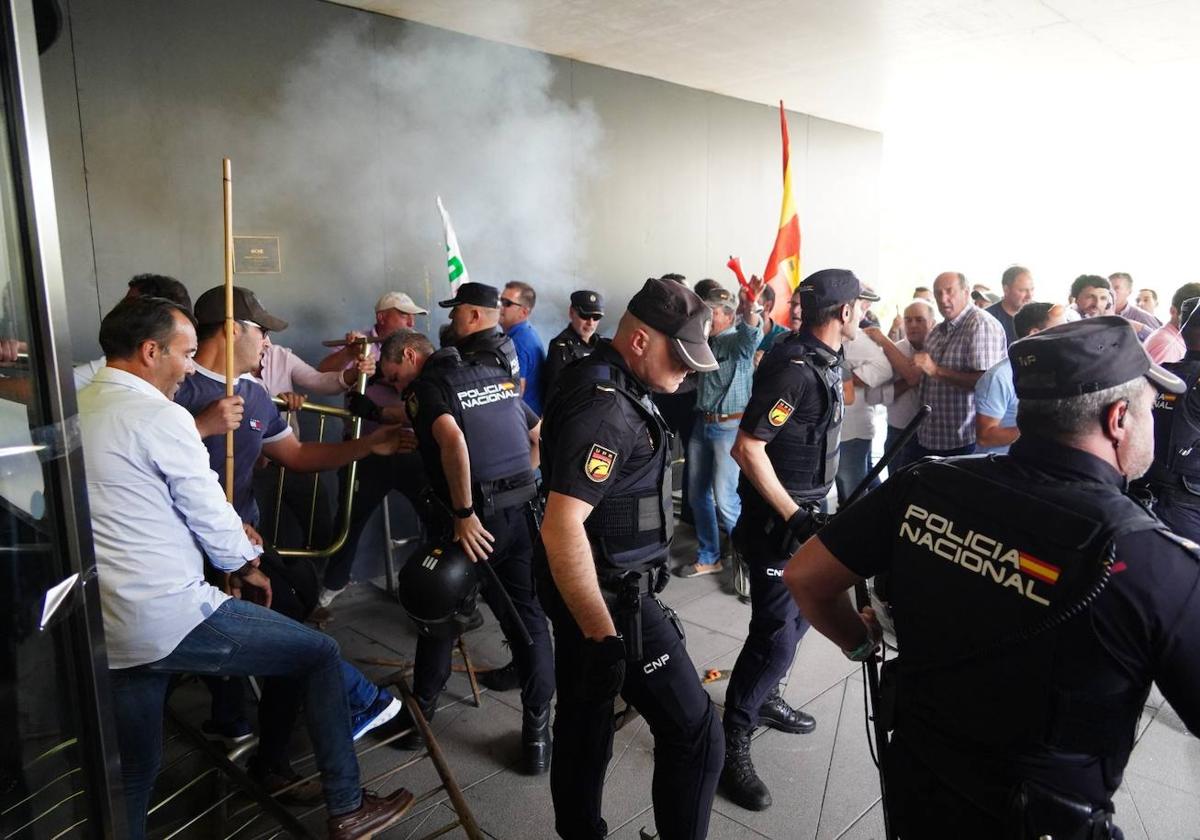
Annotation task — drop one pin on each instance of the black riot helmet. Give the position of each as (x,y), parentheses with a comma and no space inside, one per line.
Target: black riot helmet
(438,588)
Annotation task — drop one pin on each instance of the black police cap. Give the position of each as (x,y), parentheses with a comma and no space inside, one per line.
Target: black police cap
(474,294)
(1083,357)
(831,286)
(675,311)
(587,302)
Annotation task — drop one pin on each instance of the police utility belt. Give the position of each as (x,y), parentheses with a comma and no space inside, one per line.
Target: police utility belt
(623,593)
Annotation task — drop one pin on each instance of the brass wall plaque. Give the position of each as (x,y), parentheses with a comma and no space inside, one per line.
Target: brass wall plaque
(256,255)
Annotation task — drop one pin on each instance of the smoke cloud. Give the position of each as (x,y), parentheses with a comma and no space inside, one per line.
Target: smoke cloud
(491,128)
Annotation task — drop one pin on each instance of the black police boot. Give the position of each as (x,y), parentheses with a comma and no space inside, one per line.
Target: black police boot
(411,740)
(501,679)
(777,714)
(739,782)
(535,740)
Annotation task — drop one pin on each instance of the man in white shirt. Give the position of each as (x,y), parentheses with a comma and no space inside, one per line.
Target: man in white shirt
(156,511)
(901,396)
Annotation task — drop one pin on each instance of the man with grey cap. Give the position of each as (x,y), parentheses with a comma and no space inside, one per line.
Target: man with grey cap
(787,449)
(1033,601)
(601,562)
(393,311)
(576,341)
(721,397)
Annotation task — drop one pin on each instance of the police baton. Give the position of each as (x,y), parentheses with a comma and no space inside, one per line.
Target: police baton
(863,599)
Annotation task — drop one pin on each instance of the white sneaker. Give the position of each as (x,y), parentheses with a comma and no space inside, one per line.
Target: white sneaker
(327,595)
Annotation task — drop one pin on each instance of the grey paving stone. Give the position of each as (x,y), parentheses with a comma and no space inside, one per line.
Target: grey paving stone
(1166,812)
(868,826)
(510,806)
(720,827)
(852,786)
(718,611)
(1128,819)
(795,769)
(817,666)
(1167,755)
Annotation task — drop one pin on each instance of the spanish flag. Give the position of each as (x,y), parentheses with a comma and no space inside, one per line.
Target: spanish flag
(1039,569)
(783,266)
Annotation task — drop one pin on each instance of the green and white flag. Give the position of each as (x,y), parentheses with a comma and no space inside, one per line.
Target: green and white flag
(456,270)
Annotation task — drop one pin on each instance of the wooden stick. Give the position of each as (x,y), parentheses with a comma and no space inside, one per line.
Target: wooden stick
(341,342)
(227,183)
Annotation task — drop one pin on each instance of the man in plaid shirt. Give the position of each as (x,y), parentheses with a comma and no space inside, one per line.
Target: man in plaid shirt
(956,354)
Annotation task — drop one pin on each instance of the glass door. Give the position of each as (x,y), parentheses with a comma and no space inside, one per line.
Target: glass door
(57,744)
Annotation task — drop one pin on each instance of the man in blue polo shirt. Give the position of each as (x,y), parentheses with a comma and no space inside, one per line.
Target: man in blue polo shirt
(516,305)
(995,394)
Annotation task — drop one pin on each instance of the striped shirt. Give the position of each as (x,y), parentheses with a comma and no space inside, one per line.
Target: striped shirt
(974,341)
(726,390)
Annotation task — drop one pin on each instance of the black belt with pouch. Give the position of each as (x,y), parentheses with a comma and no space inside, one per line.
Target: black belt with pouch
(1038,811)
(623,593)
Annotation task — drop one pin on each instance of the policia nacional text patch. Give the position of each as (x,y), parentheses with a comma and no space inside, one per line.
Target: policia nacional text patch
(599,463)
(779,413)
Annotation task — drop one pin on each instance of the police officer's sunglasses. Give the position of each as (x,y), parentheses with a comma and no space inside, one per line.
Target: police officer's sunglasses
(593,317)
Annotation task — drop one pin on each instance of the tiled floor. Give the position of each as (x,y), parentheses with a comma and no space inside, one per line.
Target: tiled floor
(824,784)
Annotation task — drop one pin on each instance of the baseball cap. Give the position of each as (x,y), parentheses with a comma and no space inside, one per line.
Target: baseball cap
(210,309)
(587,302)
(474,294)
(675,311)
(401,301)
(831,286)
(1083,357)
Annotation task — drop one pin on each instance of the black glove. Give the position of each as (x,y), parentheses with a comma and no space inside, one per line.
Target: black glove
(602,668)
(800,525)
(363,406)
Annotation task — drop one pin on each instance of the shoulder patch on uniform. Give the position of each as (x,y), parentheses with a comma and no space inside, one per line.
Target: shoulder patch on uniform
(599,463)
(780,412)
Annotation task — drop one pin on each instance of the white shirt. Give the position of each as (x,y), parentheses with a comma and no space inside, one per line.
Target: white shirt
(157,509)
(901,410)
(865,359)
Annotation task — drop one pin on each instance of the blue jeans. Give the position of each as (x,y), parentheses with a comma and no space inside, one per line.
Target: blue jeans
(854,462)
(712,474)
(238,639)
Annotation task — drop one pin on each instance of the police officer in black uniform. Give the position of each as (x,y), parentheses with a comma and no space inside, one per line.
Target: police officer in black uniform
(601,562)
(1173,480)
(787,447)
(1034,602)
(577,340)
(477,440)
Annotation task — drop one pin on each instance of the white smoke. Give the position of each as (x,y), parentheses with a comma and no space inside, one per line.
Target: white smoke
(489,127)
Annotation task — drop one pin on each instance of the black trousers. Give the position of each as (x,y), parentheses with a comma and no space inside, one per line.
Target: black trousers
(665,689)
(535,663)
(377,476)
(776,625)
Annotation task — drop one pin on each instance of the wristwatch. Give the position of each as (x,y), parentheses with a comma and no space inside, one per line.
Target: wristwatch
(464,513)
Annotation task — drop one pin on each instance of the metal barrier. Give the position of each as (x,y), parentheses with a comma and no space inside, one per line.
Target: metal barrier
(238,819)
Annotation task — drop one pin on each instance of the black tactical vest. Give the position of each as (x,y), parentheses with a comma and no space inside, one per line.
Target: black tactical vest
(994,572)
(805,454)
(631,529)
(486,404)
(1176,434)
(491,347)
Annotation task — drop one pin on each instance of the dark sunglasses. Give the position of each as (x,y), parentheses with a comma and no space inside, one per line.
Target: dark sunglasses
(583,317)
(505,302)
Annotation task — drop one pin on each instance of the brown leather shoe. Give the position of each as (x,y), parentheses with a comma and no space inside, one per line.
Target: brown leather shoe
(375,814)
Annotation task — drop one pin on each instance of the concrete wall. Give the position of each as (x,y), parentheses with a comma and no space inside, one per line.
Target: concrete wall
(144,98)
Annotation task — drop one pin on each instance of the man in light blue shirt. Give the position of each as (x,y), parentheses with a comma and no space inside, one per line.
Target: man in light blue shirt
(157,511)
(995,395)
(516,305)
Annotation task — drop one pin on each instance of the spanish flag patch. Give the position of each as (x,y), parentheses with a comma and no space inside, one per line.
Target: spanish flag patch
(599,463)
(779,413)
(1039,569)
